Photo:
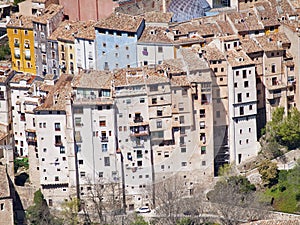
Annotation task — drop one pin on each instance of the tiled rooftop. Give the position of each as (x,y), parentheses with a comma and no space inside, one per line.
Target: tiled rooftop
(245,21)
(87,31)
(272,42)
(20,21)
(155,35)
(56,99)
(173,66)
(250,46)
(48,13)
(211,52)
(192,60)
(20,76)
(225,27)
(93,79)
(121,22)
(238,58)
(66,30)
(158,17)
(266,14)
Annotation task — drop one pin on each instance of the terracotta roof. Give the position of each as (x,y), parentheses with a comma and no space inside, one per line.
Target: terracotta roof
(41,86)
(250,46)
(87,31)
(158,17)
(266,14)
(20,21)
(4,184)
(39,1)
(93,79)
(272,42)
(59,95)
(66,31)
(173,66)
(225,27)
(51,11)
(155,35)
(238,58)
(192,60)
(245,21)
(211,52)
(121,22)
(20,76)
(180,81)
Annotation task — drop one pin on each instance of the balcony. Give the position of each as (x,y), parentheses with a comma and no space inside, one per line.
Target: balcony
(92,100)
(104,139)
(139,131)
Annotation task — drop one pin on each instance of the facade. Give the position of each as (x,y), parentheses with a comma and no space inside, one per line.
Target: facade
(21,43)
(85,47)
(43,27)
(88,9)
(242,109)
(55,141)
(95,131)
(116,44)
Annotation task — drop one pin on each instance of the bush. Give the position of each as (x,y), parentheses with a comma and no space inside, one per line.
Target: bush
(297,197)
(21,162)
(282,188)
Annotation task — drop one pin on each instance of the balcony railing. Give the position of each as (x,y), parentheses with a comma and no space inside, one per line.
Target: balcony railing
(92,100)
(140,133)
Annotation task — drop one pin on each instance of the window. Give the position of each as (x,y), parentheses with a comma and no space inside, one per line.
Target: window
(58,140)
(154,100)
(241,110)
(250,107)
(78,121)
(159,112)
(100,174)
(239,97)
(57,126)
(246,84)
(103,44)
(128,101)
(62,150)
(139,163)
(160,49)
(202,113)
(153,88)
(202,124)
(203,150)
(181,119)
(2,206)
(56,178)
(102,123)
(82,174)
(159,124)
(237,73)
(106,161)
(183,150)
(50,201)
(203,163)
(218,114)
(183,163)
(273,68)
(15,31)
(80,162)
(244,73)
(104,147)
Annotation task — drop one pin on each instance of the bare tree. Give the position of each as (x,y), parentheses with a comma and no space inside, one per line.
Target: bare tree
(236,201)
(102,202)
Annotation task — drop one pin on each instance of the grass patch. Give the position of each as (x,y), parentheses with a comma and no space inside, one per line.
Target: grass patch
(20,162)
(284,196)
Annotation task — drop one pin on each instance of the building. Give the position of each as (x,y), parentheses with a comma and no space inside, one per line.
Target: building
(242,109)
(84,10)
(85,47)
(55,141)
(34,7)
(94,121)
(21,43)
(116,41)
(43,26)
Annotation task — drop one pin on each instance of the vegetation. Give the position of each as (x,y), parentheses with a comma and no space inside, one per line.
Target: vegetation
(269,172)
(21,163)
(39,213)
(70,211)
(4,52)
(285,195)
(284,130)
(16,2)
(138,220)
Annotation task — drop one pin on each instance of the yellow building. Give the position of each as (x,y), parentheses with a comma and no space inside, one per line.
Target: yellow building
(21,43)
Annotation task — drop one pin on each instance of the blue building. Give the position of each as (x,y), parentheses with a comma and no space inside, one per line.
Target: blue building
(116,41)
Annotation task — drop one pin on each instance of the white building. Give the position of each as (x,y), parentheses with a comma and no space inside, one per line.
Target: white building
(85,47)
(242,100)
(95,130)
(55,141)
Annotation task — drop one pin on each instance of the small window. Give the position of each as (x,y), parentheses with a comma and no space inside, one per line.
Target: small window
(142,100)
(106,161)
(183,163)
(246,84)
(160,49)
(80,162)
(57,126)
(203,150)
(102,123)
